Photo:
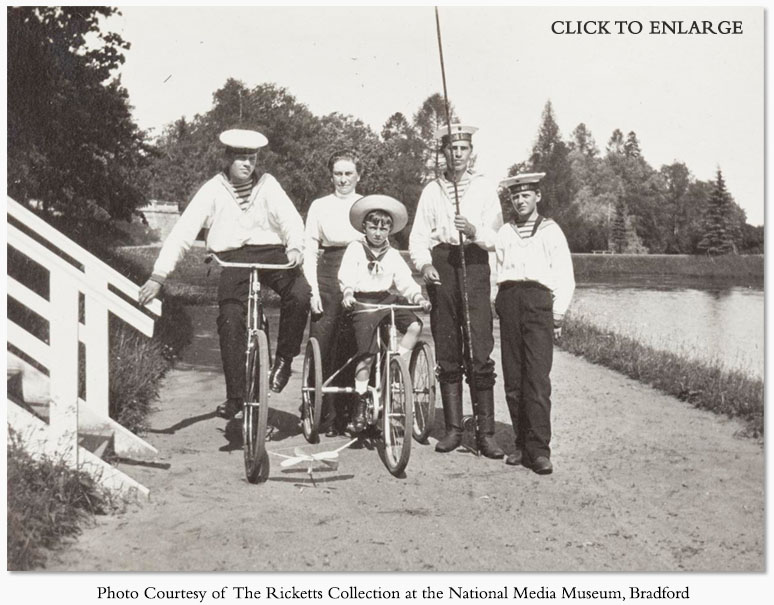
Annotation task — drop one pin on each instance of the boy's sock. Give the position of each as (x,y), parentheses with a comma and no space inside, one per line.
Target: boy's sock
(404,353)
(361,386)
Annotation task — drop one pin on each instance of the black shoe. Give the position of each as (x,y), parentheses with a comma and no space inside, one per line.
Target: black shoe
(280,373)
(514,459)
(229,408)
(489,448)
(542,466)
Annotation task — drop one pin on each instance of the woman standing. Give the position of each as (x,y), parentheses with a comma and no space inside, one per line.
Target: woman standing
(327,234)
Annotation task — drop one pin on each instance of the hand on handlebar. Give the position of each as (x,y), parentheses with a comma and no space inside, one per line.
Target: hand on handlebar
(348,302)
(295,257)
(425,304)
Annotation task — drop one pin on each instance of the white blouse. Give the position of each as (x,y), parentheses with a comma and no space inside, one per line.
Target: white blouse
(327,224)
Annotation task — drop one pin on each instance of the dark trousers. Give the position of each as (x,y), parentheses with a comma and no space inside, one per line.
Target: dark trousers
(332,330)
(447,316)
(233,290)
(526,342)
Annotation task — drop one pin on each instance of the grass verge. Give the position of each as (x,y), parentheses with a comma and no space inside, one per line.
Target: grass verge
(47,503)
(706,386)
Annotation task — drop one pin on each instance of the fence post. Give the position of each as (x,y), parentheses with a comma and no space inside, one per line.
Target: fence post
(63,336)
(96,338)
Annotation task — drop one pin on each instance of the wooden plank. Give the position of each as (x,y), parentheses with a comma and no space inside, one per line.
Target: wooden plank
(86,258)
(31,345)
(115,304)
(27,297)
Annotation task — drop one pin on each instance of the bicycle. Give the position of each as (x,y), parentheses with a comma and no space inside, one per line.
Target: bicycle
(392,394)
(255,409)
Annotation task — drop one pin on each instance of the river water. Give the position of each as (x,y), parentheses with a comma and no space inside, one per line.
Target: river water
(701,320)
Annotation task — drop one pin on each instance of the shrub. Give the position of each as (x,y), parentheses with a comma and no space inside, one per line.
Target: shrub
(47,503)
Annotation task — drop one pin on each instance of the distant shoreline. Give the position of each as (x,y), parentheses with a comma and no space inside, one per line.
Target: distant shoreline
(744,270)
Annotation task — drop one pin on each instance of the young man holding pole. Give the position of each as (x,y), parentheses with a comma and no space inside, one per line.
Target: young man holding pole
(460,202)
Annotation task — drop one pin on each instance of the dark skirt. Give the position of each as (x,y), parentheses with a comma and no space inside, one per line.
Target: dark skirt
(366,321)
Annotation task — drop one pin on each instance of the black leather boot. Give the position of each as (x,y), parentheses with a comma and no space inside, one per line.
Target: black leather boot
(359,417)
(485,425)
(451,396)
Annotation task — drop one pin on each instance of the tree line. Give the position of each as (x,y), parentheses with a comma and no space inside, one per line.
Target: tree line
(74,148)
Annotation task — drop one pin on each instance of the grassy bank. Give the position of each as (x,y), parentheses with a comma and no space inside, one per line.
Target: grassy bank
(706,386)
(740,270)
(47,504)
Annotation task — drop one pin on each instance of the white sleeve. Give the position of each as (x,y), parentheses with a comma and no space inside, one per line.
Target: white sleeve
(490,221)
(184,232)
(311,249)
(561,265)
(404,280)
(285,217)
(419,240)
(348,270)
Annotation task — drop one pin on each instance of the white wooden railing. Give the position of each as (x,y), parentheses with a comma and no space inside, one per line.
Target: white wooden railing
(93,279)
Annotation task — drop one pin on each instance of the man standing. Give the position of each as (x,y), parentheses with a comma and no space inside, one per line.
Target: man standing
(435,249)
(250,219)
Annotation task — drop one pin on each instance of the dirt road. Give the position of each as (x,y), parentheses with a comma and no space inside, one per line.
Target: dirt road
(642,482)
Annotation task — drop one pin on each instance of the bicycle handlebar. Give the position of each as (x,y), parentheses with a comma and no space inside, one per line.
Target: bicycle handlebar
(379,307)
(213,256)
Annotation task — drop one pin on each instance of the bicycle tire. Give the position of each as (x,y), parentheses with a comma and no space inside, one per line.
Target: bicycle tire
(256,409)
(397,416)
(423,384)
(311,400)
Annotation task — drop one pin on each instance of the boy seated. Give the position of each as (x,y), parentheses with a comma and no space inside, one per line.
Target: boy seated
(369,269)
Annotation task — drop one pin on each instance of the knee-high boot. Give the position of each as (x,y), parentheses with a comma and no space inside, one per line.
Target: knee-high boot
(485,425)
(451,396)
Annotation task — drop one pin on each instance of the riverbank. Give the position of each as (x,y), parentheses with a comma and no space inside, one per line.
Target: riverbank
(704,385)
(743,270)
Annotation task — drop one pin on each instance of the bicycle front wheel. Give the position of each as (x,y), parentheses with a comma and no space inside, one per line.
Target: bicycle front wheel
(256,409)
(311,391)
(397,416)
(422,368)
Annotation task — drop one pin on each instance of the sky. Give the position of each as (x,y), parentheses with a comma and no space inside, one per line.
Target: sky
(691,98)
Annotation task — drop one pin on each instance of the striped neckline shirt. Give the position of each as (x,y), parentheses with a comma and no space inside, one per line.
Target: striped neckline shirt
(462,185)
(242,192)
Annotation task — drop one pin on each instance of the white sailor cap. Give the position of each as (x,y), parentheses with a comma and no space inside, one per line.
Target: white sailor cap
(459,132)
(243,141)
(523,182)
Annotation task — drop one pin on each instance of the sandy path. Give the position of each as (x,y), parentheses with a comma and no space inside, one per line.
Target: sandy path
(642,482)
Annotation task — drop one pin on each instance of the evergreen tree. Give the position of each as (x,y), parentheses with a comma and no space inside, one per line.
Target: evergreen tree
(616,143)
(583,142)
(631,147)
(718,221)
(618,231)
(551,155)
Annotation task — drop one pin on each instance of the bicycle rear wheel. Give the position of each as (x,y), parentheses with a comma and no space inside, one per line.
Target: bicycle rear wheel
(256,412)
(422,369)
(311,391)
(397,415)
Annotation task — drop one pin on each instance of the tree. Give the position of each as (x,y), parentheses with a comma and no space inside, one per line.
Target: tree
(429,118)
(718,219)
(618,231)
(616,143)
(551,155)
(631,147)
(72,144)
(583,141)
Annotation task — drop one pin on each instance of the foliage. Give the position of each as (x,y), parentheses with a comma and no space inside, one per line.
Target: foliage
(48,502)
(617,201)
(719,222)
(72,145)
(706,386)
